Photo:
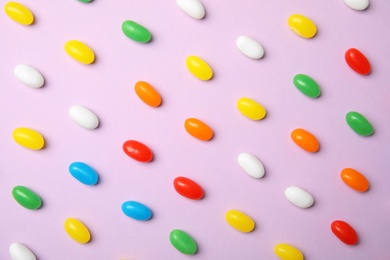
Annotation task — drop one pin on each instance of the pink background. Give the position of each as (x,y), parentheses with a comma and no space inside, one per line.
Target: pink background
(107,88)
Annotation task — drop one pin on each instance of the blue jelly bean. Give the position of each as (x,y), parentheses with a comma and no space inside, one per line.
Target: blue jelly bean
(136,210)
(83,173)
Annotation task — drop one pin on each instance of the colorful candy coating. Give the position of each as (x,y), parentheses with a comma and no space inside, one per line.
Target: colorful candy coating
(240,221)
(302,26)
(344,232)
(357,61)
(28,138)
(306,85)
(250,47)
(79,51)
(19,251)
(188,188)
(193,8)
(183,242)
(137,150)
(19,13)
(83,173)
(77,230)
(359,124)
(136,32)
(354,179)
(26,197)
(288,252)
(357,4)
(305,140)
(29,76)
(299,197)
(147,94)
(84,117)
(136,210)
(199,68)
(251,109)
(251,165)
(198,129)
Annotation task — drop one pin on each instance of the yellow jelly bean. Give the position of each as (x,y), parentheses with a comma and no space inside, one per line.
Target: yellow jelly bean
(77,230)
(199,68)
(28,138)
(302,26)
(288,252)
(19,13)
(79,51)
(239,221)
(251,109)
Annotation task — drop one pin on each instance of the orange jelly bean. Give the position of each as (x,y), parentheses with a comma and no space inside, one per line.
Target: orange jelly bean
(198,129)
(305,140)
(147,94)
(354,179)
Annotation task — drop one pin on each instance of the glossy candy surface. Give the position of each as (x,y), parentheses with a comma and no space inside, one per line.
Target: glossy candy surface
(302,26)
(83,173)
(77,230)
(354,179)
(299,197)
(198,129)
(136,210)
(357,61)
(188,188)
(251,165)
(79,51)
(183,242)
(26,197)
(250,47)
(19,13)
(85,1)
(136,32)
(138,151)
(84,117)
(305,140)
(28,138)
(306,85)
(239,221)
(251,109)
(288,252)
(193,8)
(199,68)
(29,76)
(344,232)
(359,124)
(18,251)
(147,94)
(357,4)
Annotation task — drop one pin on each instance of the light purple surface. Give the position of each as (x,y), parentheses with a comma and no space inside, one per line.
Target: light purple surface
(107,88)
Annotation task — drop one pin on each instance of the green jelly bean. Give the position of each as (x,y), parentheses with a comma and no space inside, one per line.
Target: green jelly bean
(26,197)
(359,124)
(183,242)
(136,32)
(307,85)
(85,1)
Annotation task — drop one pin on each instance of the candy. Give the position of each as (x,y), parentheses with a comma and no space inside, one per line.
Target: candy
(251,165)
(26,197)
(19,251)
(357,61)
(19,13)
(84,117)
(359,124)
(138,151)
(299,197)
(188,188)
(357,4)
(183,242)
(354,179)
(193,8)
(198,129)
(136,210)
(28,138)
(79,51)
(302,26)
(306,85)
(29,76)
(199,68)
(240,221)
(77,230)
(288,252)
(305,140)
(83,173)
(344,232)
(250,47)
(251,109)
(85,1)
(147,94)
(136,32)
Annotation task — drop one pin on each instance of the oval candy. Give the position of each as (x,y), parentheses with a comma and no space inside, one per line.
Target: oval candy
(357,61)
(83,173)
(85,1)
(80,51)
(199,68)
(251,165)
(138,151)
(299,197)
(302,26)
(251,109)
(306,85)
(198,129)
(84,117)
(250,47)
(183,242)
(77,230)
(19,251)
(28,138)
(288,252)
(357,4)
(193,8)
(305,140)
(188,188)
(136,210)
(19,13)
(359,124)
(29,76)
(240,221)
(26,197)
(344,232)
(136,32)
(354,179)
(147,94)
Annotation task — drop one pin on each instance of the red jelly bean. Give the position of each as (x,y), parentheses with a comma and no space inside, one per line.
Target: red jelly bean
(138,151)
(188,188)
(357,61)
(344,232)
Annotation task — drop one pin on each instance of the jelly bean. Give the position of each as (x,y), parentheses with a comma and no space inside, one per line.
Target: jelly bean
(136,32)
(183,242)
(198,129)
(357,61)
(83,173)
(250,47)
(138,151)
(19,251)
(302,26)
(85,1)
(288,252)
(359,124)
(28,138)
(199,68)
(240,221)
(251,165)
(29,76)
(19,13)
(344,232)
(193,8)
(299,197)
(84,117)
(251,109)
(26,197)
(357,4)
(136,210)
(188,188)
(355,179)
(147,94)
(305,140)
(80,51)
(77,230)
(306,85)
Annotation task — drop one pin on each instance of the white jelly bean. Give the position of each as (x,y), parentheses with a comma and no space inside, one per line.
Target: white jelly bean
(251,165)
(29,76)
(84,117)
(358,4)
(19,251)
(250,47)
(299,197)
(193,8)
